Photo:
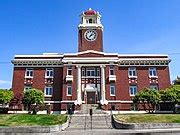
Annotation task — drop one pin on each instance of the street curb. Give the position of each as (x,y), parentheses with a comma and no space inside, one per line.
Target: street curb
(120,125)
(35,129)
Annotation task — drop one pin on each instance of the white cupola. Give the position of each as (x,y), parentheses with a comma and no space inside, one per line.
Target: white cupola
(90,18)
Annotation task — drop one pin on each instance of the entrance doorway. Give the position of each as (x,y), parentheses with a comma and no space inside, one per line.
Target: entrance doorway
(91,97)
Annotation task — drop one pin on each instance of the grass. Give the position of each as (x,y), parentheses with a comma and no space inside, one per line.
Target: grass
(149,118)
(31,120)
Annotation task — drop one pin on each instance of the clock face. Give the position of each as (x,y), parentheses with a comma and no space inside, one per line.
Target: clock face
(90,35)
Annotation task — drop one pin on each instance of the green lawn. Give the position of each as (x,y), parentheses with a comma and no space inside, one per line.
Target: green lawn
(149,118)
(30,120)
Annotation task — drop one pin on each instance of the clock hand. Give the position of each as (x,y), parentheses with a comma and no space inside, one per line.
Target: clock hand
(91,35)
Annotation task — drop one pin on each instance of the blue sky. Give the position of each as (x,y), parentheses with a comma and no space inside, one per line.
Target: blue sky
(130,26)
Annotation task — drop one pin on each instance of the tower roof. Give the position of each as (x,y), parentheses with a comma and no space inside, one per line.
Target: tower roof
(90,12)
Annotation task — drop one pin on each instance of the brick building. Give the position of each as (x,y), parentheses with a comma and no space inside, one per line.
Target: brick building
(90,76)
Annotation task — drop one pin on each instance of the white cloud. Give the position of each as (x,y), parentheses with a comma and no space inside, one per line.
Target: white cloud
(4,82)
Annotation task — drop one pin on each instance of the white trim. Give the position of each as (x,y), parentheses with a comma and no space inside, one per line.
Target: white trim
(132,69)
(49,70)
(90,51)
(119,101)
(36,60)
(69,95)
(145,59)
(152,69)
(29,70)
(90,59)
(47,96)
(164,55)
(153,76)
(84,52)
(45,91)
(112,85)
(44,55)
(132,76)
(134,86)
(67,101)
(52,102)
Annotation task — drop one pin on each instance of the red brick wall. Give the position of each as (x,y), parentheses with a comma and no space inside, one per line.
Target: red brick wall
(122,81)
(163,77)
(39,78)
(74,84)
(57,84)
(142,77)
(96,45)
(18,80)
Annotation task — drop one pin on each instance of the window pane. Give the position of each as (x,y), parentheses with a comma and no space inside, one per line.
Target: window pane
(112,89)
(51,73)
(133,90)
(69,90)
(31,73)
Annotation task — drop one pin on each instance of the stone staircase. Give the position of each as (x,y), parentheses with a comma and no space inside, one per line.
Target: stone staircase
(83,121)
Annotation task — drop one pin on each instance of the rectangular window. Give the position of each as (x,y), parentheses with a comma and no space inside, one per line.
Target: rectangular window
(98,72)
(90,72)
(111,70)
(26,88)
(69,70)
(29,73)
(69,90)
(83,72)
(49,73)
(132,72)
(152,72)
(154,86)
(133,90)
(48,91)
(112,90)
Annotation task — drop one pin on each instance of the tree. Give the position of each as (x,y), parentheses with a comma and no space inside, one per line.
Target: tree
(33,96)
(177,81)
(171,95)
(5,96)
(149,98)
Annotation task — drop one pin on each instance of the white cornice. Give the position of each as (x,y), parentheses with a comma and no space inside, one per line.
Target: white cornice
(90,26)
(34,56)
(90,59)
(90,51)
(144,55)
(142,59)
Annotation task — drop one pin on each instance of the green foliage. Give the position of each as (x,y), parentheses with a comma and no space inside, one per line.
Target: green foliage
(5,96)
(149,118)
(171,94)
(31,120)
(149,99)
(33,96)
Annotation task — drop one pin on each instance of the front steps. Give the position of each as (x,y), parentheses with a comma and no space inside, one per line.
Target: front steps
(83,121)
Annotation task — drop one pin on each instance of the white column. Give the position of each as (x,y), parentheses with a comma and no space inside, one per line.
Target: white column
(103,88)
(79,100)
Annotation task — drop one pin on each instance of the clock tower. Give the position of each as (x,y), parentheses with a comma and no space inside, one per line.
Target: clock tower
(90,31)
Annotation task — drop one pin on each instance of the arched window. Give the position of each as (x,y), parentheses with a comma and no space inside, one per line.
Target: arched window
(90,20)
